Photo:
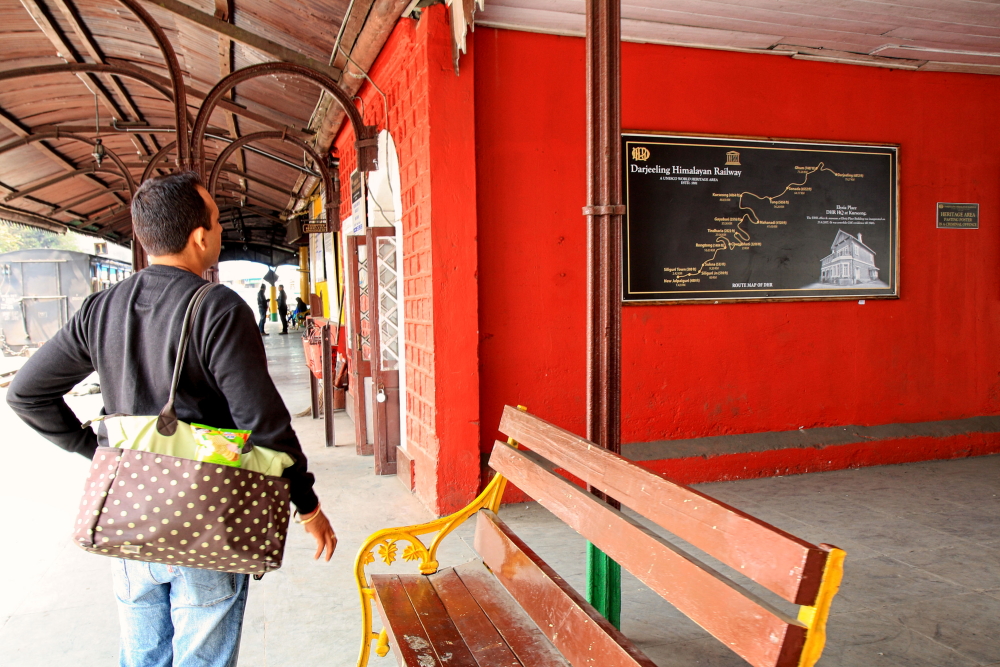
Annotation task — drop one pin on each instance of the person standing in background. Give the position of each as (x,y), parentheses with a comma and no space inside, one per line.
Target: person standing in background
(262,307)
(283,308)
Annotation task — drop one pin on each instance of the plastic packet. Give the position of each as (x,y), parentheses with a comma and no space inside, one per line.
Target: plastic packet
(219,445)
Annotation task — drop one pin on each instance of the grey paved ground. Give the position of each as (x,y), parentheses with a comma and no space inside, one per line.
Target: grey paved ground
(922,584)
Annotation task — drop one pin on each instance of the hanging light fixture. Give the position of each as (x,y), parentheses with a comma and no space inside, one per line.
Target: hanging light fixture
(99,152)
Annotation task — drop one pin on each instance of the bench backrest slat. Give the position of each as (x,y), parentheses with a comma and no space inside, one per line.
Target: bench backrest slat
(578,631)
(761,634)
(781,562)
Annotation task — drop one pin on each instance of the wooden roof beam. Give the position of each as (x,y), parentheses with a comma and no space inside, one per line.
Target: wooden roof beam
(279,121)
(72,16)
(116,221)
(86,198)
(49,182)
(243,36)
(40,15)
(32,219)
(257,179)
(13,124)
(20,129)
(223,12)
(250,212)
(112,131)
(350,29)
(256,197)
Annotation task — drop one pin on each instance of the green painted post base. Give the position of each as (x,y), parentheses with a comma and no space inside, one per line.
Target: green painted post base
(274,317)
(604,585)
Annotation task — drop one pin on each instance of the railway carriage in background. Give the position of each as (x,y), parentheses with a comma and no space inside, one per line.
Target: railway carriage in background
(41,289)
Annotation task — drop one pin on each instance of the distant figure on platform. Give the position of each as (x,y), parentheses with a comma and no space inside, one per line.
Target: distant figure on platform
(301,311)
(283,309)
(262,307)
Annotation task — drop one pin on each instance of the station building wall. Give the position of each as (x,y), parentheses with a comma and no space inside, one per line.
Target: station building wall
(696,371)
(431,120)
(492,164)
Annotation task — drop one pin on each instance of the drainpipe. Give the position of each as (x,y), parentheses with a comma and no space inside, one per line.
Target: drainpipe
(604,213)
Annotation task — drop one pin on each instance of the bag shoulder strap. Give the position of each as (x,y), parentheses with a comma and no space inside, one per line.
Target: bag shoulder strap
(166,423)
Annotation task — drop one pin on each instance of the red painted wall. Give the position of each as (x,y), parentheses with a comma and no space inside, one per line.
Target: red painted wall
(704,370)
(431,120)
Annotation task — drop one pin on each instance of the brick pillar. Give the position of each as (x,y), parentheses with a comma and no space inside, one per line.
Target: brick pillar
(441,292)
(431,118)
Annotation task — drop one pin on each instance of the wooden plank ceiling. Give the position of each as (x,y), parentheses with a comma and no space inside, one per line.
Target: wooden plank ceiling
(931,35)
(55,183)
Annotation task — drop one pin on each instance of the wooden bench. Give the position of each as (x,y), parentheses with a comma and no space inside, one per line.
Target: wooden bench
(512,609)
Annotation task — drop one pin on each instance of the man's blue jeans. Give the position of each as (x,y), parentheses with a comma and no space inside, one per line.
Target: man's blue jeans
(178,616)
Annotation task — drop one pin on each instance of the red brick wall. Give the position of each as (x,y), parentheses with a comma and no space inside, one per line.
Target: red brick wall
(431,120)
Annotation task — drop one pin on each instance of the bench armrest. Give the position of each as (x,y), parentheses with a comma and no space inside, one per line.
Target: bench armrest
(815,617)
(384,542)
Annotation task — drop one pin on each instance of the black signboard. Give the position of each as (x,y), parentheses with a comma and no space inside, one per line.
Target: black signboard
(713,219)
(957,216)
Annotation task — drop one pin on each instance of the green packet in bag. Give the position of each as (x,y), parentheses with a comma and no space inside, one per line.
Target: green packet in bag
(133,432)
(219,445)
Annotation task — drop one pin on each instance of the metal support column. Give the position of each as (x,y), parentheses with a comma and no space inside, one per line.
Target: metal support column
(314,404)
(328,385)
(304,289)
(604,212)
(140,260)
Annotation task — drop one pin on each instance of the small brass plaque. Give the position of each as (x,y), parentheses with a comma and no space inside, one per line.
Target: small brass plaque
(316,228)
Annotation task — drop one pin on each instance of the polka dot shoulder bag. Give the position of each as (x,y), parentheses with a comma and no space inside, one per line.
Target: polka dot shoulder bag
(184,494)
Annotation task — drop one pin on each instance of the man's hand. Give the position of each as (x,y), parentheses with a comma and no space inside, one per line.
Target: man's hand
(317,525)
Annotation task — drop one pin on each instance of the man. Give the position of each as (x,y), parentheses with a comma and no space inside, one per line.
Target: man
(262,306)
(283,308)
(129,334)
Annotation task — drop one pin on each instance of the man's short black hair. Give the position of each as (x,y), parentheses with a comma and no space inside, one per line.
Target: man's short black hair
(166,209)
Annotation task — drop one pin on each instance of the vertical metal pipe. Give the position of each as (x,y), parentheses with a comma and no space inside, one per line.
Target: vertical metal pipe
(604,194)
(139,258)
(327,347)
(604,217)
(304,289)
(314,404)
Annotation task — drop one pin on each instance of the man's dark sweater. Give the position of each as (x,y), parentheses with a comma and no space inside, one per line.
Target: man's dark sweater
(129,335)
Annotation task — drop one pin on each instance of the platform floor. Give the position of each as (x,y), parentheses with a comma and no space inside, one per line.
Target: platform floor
(922,584)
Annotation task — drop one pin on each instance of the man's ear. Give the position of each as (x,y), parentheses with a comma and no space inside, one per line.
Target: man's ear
(198,238)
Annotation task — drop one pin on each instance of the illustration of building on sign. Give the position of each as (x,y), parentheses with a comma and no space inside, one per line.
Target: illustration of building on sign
(850,262)
(732,157)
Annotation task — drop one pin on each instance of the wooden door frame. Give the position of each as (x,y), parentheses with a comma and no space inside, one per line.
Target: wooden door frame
(359,368)
(385,449)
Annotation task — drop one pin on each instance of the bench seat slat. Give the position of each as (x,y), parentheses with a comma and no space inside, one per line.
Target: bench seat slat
(449,642)
(480,635)
(582,635)
(407,636)
(759,633)
(781,562)
(523,636)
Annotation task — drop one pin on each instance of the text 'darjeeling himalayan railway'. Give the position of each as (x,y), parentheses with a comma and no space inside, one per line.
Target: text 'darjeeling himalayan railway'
(713,218)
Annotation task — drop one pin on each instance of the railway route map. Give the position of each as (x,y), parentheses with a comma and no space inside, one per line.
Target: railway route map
(713,219)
